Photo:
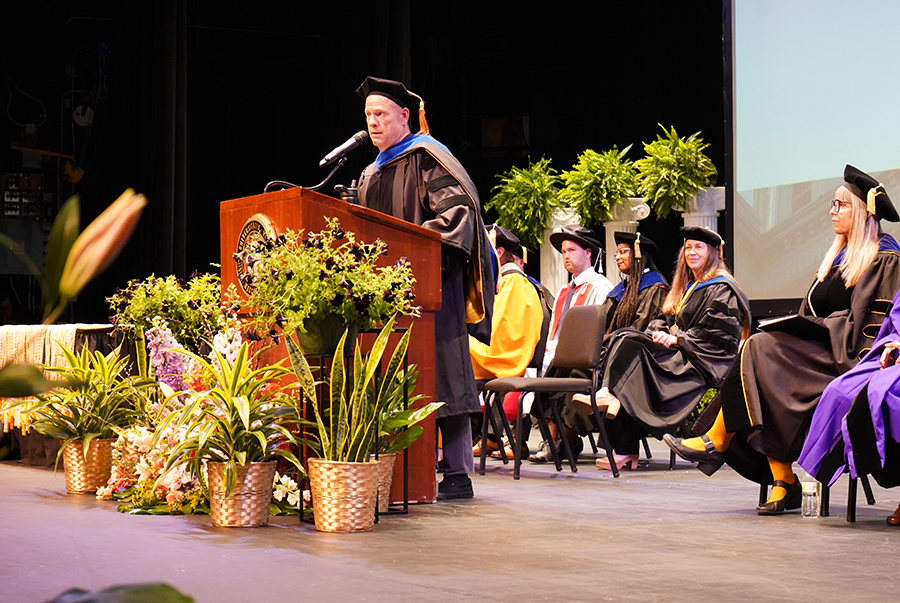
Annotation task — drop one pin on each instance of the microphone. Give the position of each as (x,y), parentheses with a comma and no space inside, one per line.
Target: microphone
(357,139)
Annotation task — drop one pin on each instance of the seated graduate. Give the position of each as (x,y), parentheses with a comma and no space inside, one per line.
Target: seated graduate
(639,296)
(581,254)
(653,380)
(856,425)
(769,396)
(634,302)
(516,322)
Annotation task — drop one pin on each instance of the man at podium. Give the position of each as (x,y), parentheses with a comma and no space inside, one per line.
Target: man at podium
(416,178)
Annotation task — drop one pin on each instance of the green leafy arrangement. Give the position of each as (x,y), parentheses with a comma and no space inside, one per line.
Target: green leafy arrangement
(245,417)
(597,183)
(673,170)
(525,200)
(321,274)
(94,404)
(191,310)
(346,424)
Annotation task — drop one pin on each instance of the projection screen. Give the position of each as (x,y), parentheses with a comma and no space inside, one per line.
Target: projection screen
(816,87)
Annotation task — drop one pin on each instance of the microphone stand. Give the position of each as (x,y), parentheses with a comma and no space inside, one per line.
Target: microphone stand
(284,184)
(350,194)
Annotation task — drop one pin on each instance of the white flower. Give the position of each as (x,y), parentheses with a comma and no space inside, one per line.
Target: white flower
(285,486)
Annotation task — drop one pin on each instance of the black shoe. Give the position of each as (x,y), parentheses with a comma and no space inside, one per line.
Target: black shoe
(453,487)
(708,460)
(793,498)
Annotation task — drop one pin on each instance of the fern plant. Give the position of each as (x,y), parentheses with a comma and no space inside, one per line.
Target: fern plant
(673,171)
(597,183)
(525,200)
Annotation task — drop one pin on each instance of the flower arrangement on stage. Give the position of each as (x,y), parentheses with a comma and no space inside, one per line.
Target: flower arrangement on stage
(309,277)
(190,310)
(138,482)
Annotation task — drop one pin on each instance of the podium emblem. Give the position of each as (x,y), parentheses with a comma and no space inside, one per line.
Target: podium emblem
(257,229)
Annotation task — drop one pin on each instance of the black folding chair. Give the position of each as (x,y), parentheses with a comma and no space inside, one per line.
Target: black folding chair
(578,348)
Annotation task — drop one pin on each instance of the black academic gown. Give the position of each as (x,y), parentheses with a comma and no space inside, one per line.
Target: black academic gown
(770,395)
(659,387)
(427,186)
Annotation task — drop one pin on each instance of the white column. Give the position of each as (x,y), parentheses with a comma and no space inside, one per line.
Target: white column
(704,208)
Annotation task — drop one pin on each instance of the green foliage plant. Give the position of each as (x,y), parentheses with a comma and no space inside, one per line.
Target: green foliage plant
(247,416)
(191,310)
(346,424)
(398,427)
(673,171)
(94,403)
(320,274)
(525,200)
(597,183)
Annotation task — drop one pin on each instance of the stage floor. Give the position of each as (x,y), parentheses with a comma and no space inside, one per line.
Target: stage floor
(651,535)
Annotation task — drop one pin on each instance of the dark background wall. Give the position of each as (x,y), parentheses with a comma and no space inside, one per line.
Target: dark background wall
(207,101)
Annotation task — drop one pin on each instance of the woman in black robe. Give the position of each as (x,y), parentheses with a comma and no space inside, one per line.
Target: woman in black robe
(653,380)
(768,398)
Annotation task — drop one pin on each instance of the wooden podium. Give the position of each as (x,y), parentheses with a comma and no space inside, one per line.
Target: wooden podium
(298,209)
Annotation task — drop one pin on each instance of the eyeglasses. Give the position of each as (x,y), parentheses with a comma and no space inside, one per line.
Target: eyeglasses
(621,253)
(837,204)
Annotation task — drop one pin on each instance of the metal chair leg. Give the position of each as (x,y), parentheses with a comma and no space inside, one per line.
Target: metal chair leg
(517,448)
(851,500)
(591,440)
(646,447)
(563,438)
(545,429)
(867,488)
(763,493)
(825,503)
(484,430)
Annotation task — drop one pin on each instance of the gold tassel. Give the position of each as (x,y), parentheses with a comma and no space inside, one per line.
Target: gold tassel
(524,255)
(870,198)
(637,247)
(423,125)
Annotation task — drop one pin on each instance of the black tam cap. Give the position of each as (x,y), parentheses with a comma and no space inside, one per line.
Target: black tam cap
(640,243)
(578,234)
(505,239)
(389,89)
(698,233)
(872,193)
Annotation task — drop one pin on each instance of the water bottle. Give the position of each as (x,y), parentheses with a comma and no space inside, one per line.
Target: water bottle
(809,507)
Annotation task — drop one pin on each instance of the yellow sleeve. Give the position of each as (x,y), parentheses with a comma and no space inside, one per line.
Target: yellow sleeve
(515,330)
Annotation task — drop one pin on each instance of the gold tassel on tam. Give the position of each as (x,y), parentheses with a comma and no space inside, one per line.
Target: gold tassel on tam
(637,246)
(524,255)
(870,198)
(423,124)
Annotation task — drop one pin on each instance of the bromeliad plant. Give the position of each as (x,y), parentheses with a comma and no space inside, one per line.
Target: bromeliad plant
(597,183)
(246,416)
(525,200)
(95,402)
(673,171)
(346,426)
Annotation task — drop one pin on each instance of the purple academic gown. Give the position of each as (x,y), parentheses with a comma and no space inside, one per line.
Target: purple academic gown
(857,422)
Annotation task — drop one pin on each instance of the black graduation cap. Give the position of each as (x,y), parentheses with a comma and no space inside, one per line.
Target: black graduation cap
(505,239)
(579,234)
(396,92)
(877,201)
(698,233)
(637,241)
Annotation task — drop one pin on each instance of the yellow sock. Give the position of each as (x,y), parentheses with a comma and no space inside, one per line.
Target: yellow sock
(720,438)
(780,471)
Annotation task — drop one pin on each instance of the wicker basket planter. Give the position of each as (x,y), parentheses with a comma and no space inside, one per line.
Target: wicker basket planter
(385,478)
(85,475)
(248,505)
(343,495)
